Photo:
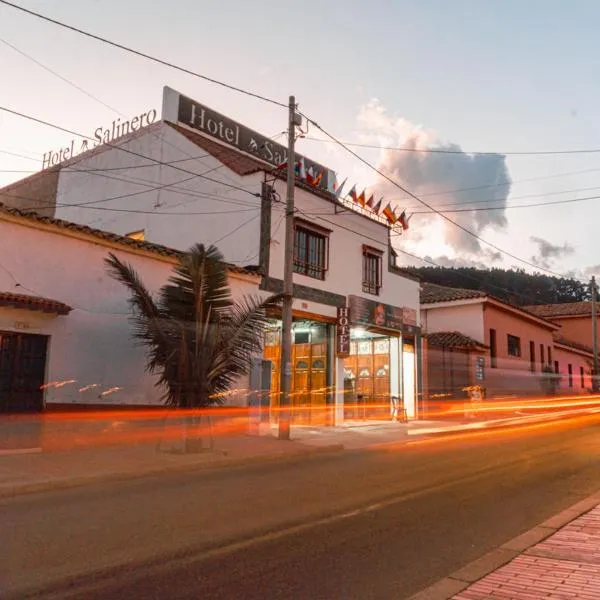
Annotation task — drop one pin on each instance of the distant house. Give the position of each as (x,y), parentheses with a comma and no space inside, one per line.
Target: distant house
(574,318)
(476,339)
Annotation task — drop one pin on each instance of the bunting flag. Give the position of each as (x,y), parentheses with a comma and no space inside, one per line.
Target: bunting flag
(361,199)
(377,207)
(301,169)
(390,214)
(337,189)
(352,193)
(370,201)
(403,220)
(311,176)
(317,180)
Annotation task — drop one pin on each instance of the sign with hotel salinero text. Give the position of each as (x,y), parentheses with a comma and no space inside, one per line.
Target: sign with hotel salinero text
(230,132)
(369,312)
(342,345)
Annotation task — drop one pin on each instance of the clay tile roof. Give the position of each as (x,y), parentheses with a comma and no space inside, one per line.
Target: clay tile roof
(567,309)
(239,163)
(104,235)
(34,303)
(431,292)
(559,339)
(453,339)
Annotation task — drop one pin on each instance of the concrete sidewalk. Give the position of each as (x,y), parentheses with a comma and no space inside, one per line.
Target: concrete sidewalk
(26,473)
(558,560)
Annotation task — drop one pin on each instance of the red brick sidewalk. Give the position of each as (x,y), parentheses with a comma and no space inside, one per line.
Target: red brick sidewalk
(565,566)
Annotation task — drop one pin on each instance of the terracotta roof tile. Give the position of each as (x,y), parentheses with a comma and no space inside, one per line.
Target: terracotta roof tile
(431,292)
(559,339)
(236,161)
(453,339)
(34,303)
(104,235)
(567,309)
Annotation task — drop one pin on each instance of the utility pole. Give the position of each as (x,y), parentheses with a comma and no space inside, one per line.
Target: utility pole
(595,335)
(285,380)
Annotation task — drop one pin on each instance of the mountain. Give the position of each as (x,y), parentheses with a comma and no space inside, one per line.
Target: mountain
(514,286)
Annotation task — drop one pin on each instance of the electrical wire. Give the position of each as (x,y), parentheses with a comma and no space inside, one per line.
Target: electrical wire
(429,206)
(142,54)
(130,210)
(447,151)
(126,150)
(510,207)
(420,258)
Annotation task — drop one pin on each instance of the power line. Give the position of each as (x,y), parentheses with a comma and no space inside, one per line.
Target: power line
(128,210)
(420,258)
(158,162)
(80,89)
(142,54)
(37,62)
(448,151)
(508,182)
(509,207)
(415,197)
(486,208)
(485,200)
(215,242)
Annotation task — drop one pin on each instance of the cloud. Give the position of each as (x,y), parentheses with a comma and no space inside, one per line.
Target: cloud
(592,270)
(548,252)
(438,178)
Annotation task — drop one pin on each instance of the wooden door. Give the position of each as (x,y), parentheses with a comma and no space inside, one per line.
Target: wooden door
(22,372)
(301,382)
(318,383)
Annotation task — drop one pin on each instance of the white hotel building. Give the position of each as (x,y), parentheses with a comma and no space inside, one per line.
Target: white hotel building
(197,176)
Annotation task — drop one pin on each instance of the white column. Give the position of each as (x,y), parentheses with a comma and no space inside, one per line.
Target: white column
(338,412)
(394,368)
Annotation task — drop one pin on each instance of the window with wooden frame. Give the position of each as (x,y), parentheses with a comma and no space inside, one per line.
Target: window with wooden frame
(311,249)
(514,345)
(372,270)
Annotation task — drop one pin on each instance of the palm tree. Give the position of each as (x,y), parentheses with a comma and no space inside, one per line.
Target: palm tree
(199,341)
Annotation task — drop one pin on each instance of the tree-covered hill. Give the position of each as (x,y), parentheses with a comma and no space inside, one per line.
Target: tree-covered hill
(514,286)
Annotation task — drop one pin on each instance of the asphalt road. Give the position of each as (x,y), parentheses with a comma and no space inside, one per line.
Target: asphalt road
(361,525)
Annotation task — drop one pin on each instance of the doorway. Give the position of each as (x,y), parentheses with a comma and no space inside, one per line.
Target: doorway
(310,368)
(408,377)
(22,372)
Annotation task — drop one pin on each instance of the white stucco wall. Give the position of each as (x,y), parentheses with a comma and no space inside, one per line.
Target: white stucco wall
(349,231)
(465,318)
(209,211)
(93,344)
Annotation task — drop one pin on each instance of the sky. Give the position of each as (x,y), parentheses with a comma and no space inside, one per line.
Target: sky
(467,76)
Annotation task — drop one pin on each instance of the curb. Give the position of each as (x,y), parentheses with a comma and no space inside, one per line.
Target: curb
(448,587)
(257,461)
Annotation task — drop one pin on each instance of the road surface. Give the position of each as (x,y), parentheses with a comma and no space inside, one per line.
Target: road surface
(361,525)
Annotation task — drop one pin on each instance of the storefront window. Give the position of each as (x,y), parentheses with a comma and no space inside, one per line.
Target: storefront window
(369,395)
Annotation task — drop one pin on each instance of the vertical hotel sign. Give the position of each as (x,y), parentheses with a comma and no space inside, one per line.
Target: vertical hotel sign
(227,131)
(342,345)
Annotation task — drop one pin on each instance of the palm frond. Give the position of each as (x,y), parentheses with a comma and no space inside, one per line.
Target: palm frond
(242,339)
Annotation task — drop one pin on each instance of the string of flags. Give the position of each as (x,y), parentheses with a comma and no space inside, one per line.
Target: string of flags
(376,207)
(314,177)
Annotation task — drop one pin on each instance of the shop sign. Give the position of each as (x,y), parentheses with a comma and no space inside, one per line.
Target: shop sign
(101,135)
(479,366)
(226,130)
(368,312)
(409,316)
(342,346)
